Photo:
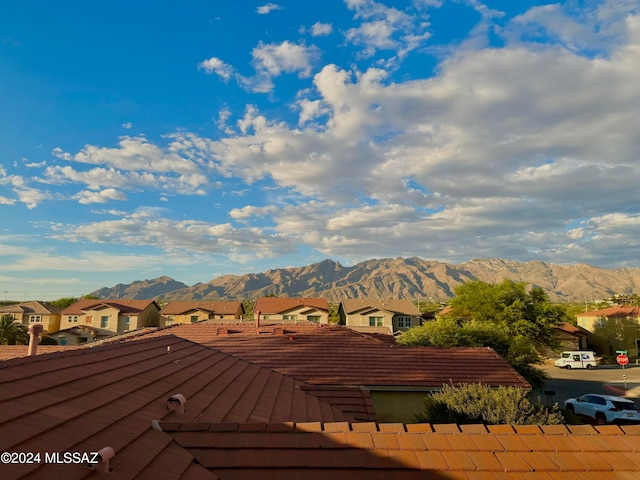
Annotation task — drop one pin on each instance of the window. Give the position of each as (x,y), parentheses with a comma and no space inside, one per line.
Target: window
(404,322)
(194,318)
(313,318)
(127,320)
(600,322)
(375,321)
(104,322)
(290,317)
(73,318)
(34,318)
(170,319)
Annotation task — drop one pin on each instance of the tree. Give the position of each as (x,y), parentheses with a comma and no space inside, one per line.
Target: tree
(64,302)
(12,333)
(505,317)
(476,403)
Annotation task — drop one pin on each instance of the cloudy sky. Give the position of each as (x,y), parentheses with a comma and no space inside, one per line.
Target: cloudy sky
(200,138)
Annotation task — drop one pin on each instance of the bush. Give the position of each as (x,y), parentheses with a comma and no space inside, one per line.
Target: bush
(477,403)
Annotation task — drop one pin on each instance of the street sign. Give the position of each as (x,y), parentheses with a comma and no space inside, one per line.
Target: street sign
(624,352)
(622,359)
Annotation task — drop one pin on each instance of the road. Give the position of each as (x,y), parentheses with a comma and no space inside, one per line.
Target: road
(574,382)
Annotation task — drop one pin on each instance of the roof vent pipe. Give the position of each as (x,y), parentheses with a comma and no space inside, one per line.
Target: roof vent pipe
(104,455)
(35,329)
(176,403)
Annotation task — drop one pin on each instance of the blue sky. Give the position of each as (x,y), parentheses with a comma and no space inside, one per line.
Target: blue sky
(203,138)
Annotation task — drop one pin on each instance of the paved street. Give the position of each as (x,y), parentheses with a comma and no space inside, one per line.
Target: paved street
(573,383)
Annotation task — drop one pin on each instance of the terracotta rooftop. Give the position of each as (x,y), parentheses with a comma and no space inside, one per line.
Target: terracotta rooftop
(87,399)
(243,421)
(353,305)
(275,305)
(334,355)
(615,311)
(34,307)
(125,306)
(412,451)
(572,329)
(220,308)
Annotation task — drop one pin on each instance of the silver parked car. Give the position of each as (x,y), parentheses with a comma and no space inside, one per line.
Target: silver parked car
(604,408)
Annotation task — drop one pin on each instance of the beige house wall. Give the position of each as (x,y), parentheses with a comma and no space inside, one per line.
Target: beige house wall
(397,407)
(50,323)
(388,320)
(200,316)
(301,314)
(116,321)
(612,333)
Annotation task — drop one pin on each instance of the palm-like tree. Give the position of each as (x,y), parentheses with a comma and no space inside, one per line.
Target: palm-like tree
(12,333)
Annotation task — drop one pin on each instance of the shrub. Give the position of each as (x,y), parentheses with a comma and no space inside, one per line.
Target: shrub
(477,403)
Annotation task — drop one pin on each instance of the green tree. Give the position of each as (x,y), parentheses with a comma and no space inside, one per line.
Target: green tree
(476,403)
(505,317)
(64,302)
(12,333)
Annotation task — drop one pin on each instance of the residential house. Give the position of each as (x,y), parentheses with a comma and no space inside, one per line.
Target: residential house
(183,411)
(191,312)
(397,378)
(80,334)
(116,316)
(613,328)
(572,337)
(34,312)
(398,315)
(276,310)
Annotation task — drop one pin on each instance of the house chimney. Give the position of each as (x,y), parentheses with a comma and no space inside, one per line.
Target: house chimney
(35,329)
(258,320)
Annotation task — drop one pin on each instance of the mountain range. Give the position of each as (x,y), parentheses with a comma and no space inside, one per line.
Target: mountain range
(413,278)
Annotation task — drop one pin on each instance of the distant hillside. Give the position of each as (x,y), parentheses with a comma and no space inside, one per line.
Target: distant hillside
(390,278)
(141,290)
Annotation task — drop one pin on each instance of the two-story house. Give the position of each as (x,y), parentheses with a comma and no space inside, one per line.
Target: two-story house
(192,312)
(34,312)
(613,328)
(279,310)
(116,316)
(397,315)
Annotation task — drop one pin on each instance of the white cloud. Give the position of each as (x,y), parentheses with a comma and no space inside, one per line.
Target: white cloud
(273,59)
(102,196)
(127,125)
(385,28)
(320,29)
(269,61)
(147,228)
(252,211)
(217,66)
(7,201)
(267,8)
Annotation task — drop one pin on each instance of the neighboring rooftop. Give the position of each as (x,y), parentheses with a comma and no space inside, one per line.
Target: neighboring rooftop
(615,311)
(219,308)
(403,307)
(335,355)
(276,305)
(125,306)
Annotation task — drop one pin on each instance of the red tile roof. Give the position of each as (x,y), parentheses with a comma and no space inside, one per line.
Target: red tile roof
(615,311)
(243,421)
(275,305)
(125,306)
(218,308)
(34,307)
(87,399)
(371,451)
(405,307)
(334,355)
